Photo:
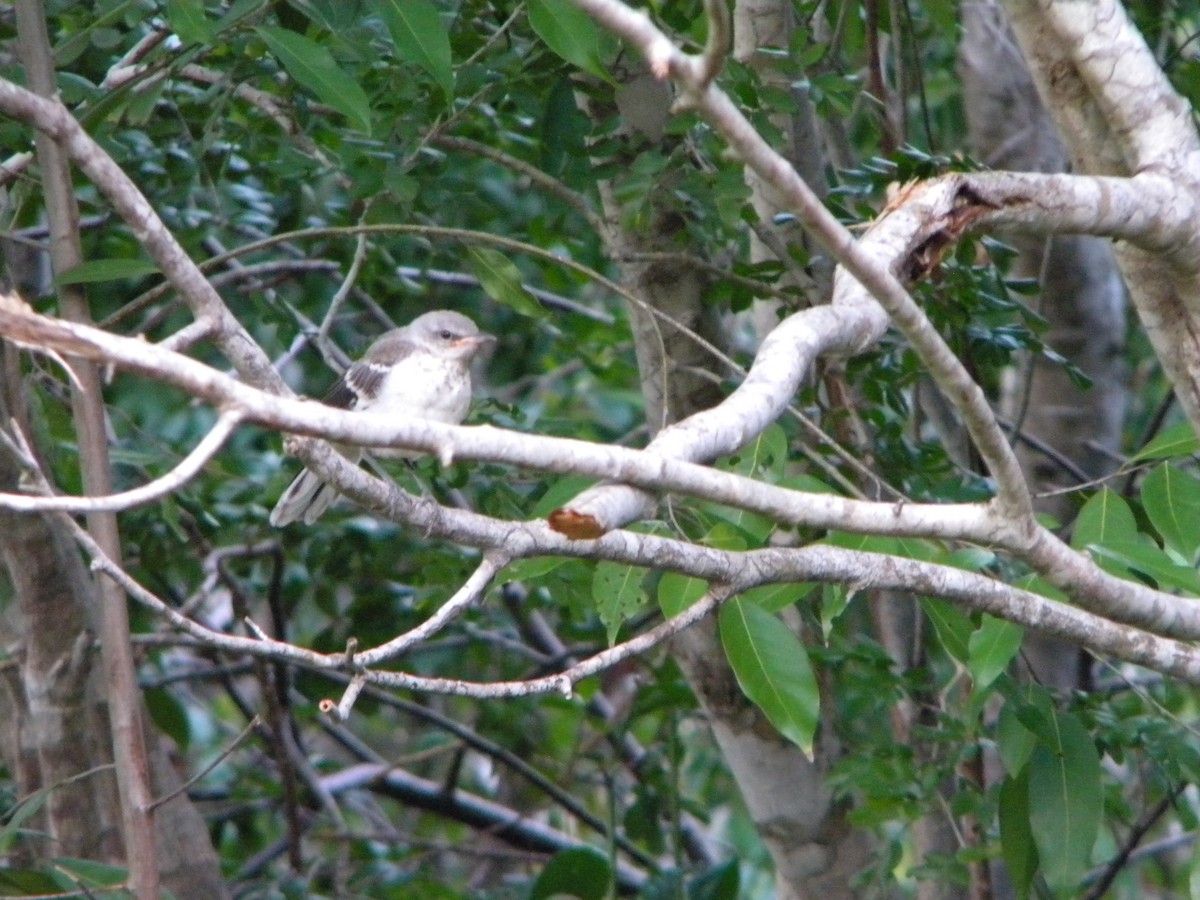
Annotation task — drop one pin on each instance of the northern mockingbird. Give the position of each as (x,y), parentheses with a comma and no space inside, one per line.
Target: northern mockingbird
(422,370)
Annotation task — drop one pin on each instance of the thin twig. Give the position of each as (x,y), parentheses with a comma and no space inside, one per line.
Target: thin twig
(343,291)
(188,468)
(464,598)
(203,773)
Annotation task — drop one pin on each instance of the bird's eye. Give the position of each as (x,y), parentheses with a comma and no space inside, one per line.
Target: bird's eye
(446,335)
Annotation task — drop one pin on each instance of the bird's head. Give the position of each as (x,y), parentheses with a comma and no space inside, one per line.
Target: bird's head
(449,334)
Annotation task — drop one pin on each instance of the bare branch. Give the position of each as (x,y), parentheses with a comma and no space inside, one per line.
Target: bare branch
(716,47)
(52,118)
(731,572)
(858,323)
(990,524)
(470,594)
(12,168)
(187,469)
(343,291)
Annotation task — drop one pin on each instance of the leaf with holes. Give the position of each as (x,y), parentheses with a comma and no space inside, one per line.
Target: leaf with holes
(617,590)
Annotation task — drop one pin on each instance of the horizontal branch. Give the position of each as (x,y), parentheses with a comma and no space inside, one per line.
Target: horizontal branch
(730,572)
(1144,210)
(1074,573)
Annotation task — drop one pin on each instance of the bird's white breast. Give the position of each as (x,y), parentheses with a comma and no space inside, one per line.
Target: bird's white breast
(424,386)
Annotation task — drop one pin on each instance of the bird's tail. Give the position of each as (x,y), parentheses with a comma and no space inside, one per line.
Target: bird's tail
(305,498)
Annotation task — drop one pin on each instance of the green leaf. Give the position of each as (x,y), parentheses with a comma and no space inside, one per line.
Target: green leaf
(868,543)
(90,873)
(501,279)
(1149,560)
(420,38)
(187,19)
(559,492)
(718,883)
(98,270)
(991,648)
(724,536)
(20,814)
(1014,742)
(569,32)
(313,66)
(772,669)
(1036,585)
(617,590)
(579,872)
(835,598)
(28,883)
(1171,499)
(752,526)
(677,592)
(1065,802)
(1016,837)
(531,569)
(972,559)
(563,126)
(952,627)
(774,597)
(170,715)
(766,454)
(806,483)
(1104,518)
(1178,440)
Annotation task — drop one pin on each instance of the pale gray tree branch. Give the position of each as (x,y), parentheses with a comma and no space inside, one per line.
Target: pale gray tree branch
(53,119)
(740,571)
(1153,124)
(852,323)
(12,168)
(990,524)
(1119,115)
(728,572)
(187,469)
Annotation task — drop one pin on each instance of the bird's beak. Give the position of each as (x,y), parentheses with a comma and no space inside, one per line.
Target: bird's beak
(477,341)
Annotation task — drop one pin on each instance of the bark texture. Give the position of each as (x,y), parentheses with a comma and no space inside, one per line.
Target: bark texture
(815,852)
(54,728)
(1082,298)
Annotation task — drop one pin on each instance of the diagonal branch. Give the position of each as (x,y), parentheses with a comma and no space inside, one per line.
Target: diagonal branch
(866,276)
(50,117)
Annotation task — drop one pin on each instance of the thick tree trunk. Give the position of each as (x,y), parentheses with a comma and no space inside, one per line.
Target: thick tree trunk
(54,731)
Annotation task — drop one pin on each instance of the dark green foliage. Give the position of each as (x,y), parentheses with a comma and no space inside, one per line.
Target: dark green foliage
(377,92)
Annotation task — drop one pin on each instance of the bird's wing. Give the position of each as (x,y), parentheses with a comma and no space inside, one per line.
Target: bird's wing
(360,384)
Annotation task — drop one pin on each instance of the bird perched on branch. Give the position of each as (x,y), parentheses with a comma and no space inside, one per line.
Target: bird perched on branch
(422,370)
